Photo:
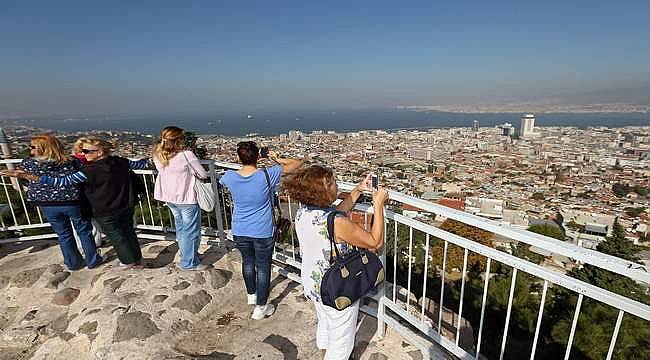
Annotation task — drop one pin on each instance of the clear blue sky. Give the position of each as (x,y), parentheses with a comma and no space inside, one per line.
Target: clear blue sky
(161,56)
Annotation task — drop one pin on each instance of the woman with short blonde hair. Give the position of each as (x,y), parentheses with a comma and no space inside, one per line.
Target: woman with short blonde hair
(178,169)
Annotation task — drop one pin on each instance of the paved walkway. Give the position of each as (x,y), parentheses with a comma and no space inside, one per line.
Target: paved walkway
(160,312)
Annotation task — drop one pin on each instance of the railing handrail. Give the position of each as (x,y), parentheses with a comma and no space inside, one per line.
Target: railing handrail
(633,270)
(605,296)
(620,266)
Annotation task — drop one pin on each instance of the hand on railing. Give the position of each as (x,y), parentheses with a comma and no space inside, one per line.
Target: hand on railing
(16,173)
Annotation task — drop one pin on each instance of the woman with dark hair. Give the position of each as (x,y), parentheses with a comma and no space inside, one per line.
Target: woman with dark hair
(177,171)
(61,205)
(109,189)
(315,188)
(252,222)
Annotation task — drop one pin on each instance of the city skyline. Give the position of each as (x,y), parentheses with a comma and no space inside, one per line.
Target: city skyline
(200,56)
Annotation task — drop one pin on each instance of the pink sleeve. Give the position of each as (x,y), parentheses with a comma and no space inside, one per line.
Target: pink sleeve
(196,165)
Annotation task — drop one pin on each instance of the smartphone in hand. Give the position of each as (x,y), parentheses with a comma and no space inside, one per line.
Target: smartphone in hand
(264,152)
(374,181)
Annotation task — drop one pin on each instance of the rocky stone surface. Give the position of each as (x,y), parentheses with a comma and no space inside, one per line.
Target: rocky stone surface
(160,312)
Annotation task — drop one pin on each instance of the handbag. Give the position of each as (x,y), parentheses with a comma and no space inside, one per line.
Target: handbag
(350,276)
(281,225)
(204,191)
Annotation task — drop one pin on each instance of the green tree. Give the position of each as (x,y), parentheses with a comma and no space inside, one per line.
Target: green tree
(635,211)
(597,319)
(538,196)
(547,230)
(190,143)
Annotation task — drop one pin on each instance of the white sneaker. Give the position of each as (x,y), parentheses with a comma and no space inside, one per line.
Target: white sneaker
(252,299)
(262,311)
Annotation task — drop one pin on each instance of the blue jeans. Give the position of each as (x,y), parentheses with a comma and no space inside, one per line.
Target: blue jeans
(256,256)
(187,218)
(62,218)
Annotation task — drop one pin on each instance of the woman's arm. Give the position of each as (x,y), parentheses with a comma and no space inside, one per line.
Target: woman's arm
(288,165)
(71,179)
(138,164)
(196,164)
(355,235)
(348,203)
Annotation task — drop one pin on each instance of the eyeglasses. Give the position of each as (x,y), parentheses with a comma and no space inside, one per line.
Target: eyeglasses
(88,151)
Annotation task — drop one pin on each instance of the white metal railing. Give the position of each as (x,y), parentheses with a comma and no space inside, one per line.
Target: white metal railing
(396,304)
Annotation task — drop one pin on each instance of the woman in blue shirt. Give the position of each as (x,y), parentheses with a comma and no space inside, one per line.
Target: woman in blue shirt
(252,224)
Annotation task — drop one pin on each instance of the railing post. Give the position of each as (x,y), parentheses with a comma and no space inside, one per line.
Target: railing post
(381,308)
(217,206)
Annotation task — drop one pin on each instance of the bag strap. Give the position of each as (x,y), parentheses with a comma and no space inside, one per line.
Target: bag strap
(189,164)
(272,203)
(330,234)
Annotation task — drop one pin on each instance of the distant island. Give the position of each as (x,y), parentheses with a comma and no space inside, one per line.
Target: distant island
(534,107)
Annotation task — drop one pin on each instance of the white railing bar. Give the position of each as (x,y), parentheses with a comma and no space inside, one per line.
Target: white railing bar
(160,215)
(144,222)
(539,320)
(624,267)
(486,282)
(573,328)
(23,227)
(11,206)
(617,327)
(22,200)
(442,286)
(426,274)
(607,297)
(395,255)
(408,286)
(146,189)
(38,211)
(28,238)
(293,240)
(508,311)
(462,293)
(426,330)
(217,208)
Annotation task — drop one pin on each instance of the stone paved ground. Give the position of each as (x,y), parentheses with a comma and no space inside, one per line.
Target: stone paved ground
(160,312)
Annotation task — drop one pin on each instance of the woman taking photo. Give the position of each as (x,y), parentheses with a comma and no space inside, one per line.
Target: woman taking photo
(252,222)
(177,172)
(109,189)
(60,204)
(315,188)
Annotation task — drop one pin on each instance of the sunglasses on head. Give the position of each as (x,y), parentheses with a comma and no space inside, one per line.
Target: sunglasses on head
(88,151)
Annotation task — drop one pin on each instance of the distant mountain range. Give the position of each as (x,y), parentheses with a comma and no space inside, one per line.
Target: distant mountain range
(623,100)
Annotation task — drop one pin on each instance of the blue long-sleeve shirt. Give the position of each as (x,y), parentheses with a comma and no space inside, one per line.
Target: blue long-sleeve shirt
(107,183)
(79,177)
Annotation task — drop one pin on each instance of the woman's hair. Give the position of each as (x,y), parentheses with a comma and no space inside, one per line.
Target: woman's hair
(248,152)
(78,145)
(172,141)
(105,146)
(311,186)
(50,148)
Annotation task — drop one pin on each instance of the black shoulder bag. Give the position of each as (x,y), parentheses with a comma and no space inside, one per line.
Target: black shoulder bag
(351,276)
(282,225)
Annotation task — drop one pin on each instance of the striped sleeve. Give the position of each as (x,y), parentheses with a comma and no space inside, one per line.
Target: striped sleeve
(138,164)
(72,179)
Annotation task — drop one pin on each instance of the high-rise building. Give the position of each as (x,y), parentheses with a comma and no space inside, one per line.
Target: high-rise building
(475,125)
(507,129)
(527,125)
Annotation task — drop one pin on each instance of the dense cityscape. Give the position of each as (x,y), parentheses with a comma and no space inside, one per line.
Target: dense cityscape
(585,185)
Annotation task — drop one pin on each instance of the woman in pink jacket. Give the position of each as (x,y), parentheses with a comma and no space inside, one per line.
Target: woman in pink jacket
(178,169)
